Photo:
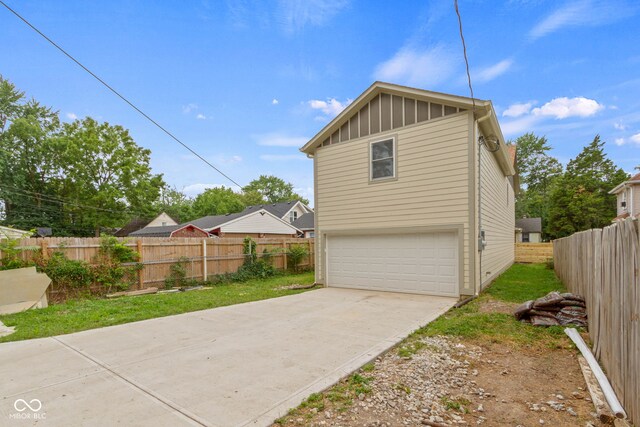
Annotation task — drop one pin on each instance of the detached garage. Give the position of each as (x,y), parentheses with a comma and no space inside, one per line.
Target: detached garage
(414,192)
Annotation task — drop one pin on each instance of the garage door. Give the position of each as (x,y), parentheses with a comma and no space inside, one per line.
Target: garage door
(414,263)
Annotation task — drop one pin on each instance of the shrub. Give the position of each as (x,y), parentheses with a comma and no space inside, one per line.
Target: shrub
(11,255)
(67,273)
(177,274)
(115,265)
(295,256)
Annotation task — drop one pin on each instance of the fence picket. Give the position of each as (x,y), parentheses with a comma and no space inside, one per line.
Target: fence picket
(603,265)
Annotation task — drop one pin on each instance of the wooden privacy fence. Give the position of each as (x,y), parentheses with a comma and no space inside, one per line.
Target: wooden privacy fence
(533,252)
(204,257)
(602,265)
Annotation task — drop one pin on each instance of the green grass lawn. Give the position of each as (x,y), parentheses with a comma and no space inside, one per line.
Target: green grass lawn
(489,317)
(79,315)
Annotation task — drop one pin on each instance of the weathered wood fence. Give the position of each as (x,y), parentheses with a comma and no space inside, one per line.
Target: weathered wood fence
(533,252)
(203,257)
(603,266)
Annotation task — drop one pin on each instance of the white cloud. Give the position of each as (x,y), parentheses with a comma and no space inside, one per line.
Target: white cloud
(420,68)
(635,138)
(582,13)
(186,109)
(564,107)
(296,14)
(72,116)
(517,110)
(275,102)
(619,141)
(519,126)
(277,139)
(201,116)
(331,107)
(620,126)
(487,74)
(281,157)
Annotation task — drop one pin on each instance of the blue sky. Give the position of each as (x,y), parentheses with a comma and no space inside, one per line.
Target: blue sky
(246,83)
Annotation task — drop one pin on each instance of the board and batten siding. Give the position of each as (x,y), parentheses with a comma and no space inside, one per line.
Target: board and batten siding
(497,218)
(431,188)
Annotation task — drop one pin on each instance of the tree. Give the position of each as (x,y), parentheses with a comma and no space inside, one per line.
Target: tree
(217,201)
(29,172)
(175,203)
(580,199)
(537,171)
(106,170)
(270,189)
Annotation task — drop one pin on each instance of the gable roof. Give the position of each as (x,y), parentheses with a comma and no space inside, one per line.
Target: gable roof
(139,223)
(635,179)
(487,119)
(305,222)
(213,222)
(529,225)
(278,209)
(163,231)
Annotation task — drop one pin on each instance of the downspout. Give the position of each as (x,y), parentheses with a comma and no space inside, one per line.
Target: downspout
(479,236)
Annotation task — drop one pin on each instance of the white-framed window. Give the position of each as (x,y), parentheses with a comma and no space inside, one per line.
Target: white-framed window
(293,215)
(382,159)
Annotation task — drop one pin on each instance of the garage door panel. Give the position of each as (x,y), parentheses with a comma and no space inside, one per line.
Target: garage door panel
(416,263)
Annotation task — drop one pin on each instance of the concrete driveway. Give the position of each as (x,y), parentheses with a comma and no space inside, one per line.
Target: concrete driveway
(240,365)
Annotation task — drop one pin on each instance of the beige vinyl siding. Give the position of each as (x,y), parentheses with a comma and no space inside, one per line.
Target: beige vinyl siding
(635,189)
(497,218)
(256,223)
(431,188)
(161,220)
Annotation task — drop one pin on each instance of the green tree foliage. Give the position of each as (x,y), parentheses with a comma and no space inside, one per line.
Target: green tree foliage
(29,167)
(537,171)
(176,204)
(270,189)
(217,201)
(104,168)
(76,178)
(579,199)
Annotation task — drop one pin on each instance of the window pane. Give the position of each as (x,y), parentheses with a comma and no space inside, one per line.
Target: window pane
(382,150)
(382,168)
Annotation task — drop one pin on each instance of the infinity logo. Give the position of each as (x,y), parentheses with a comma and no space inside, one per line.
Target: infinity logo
(21,405)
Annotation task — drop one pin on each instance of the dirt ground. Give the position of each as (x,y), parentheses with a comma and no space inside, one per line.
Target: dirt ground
(450,381)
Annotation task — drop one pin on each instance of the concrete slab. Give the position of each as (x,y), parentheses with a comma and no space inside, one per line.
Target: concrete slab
(240,365)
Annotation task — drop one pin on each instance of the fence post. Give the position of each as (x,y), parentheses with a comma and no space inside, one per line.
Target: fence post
(141,271)
(284,254)
(45,249)
(204,259)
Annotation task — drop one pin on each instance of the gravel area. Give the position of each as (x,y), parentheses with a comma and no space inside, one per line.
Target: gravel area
(437,381)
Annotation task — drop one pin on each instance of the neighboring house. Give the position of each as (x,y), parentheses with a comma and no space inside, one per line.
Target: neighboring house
(13,233)
(289,211)
(185,230)
(408,195)
(256,223)
(259,223)
(628,198)
(306,223)
(529,230)
(136,224)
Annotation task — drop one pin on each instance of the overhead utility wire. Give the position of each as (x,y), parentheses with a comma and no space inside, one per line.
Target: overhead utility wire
(118,94)
(466,61)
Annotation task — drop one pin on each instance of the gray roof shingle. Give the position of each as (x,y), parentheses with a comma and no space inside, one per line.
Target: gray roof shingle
(278,209)
(305,222)
(530,225)
(156,231)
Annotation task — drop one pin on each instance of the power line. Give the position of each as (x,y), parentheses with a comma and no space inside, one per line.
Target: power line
(118,93)
(466,60)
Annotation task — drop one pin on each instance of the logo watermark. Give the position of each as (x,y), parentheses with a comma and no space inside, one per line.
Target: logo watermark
(31,410)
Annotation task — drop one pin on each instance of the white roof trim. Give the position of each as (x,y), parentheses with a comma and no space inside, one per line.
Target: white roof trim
(623,185)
